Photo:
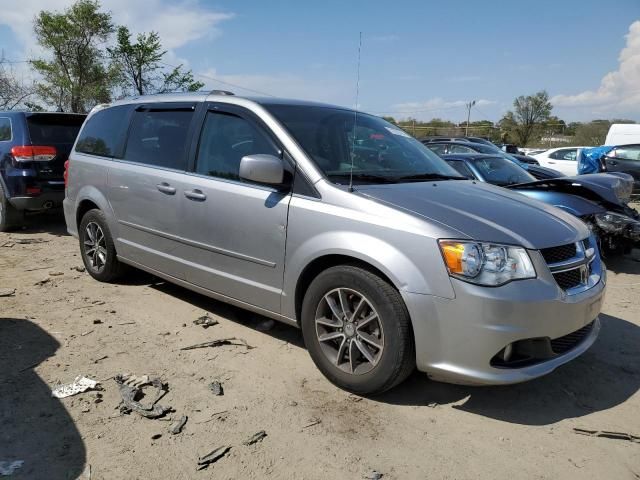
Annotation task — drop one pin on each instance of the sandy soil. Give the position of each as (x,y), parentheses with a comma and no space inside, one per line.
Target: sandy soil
(422,429)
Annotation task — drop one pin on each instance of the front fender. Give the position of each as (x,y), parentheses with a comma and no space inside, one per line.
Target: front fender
(401,271)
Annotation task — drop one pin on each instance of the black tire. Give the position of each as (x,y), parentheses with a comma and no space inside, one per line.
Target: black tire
(109,269)
(396,360)
(10,217)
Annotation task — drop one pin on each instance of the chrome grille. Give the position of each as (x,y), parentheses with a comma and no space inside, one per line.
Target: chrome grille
(570,264)
(559,254)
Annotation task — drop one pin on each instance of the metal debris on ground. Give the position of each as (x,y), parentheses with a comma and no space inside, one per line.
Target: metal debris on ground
(240,342)
(265,325)
(79,385)
(258,437)
(216,388)
(7,292)
(212,457)
(8,468)
(176,427)
(375,475)
(131,389)
(605,434)
(206,321)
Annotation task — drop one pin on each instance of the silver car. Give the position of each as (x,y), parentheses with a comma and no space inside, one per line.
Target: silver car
(339,223)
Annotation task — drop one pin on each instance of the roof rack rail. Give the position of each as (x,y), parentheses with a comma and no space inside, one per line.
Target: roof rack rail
(221,92)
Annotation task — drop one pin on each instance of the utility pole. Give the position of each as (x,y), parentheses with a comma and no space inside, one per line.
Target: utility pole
(469,105)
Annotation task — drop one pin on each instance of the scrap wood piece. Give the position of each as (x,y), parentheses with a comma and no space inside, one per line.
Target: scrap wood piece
(212,457)
(176,427)
(240,342)
(606,434)
(255,438)
(132,389)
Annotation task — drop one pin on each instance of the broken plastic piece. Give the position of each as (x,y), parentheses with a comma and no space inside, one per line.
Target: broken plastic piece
(9,468)
(176,427)
(258,437)
(79,385)
(131,388)
(214,456)
(206,321)
(216,388)
(219,342)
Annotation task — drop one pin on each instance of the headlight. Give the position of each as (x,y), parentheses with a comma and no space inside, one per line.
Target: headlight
(486,263)
(612,222)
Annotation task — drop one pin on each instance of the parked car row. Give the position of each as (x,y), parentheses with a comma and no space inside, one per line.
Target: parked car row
(476,264)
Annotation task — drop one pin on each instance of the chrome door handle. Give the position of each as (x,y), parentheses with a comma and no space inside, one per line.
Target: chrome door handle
(195,194)
(164,187)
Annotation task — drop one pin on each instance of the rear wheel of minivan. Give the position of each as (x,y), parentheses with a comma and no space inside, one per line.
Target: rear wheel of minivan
(10,217)
(97,247)
(357,330)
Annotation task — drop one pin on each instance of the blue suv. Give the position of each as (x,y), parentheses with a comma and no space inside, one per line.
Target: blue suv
(33,149)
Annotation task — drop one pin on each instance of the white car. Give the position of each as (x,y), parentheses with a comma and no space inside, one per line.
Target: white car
(563,159)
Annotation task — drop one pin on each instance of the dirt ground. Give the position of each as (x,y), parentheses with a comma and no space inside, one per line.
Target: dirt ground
(49,334)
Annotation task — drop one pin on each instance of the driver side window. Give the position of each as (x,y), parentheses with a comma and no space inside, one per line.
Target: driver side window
(225,139)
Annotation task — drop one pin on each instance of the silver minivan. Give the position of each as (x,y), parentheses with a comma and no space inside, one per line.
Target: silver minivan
(342,224)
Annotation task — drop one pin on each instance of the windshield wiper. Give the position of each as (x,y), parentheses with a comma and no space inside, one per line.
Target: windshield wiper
(365,177)
(431,176)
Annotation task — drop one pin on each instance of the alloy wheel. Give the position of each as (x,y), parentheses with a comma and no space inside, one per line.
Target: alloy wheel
(349,331)
(95,246)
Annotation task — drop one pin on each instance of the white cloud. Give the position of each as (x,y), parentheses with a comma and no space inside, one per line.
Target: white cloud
(433,107)
(177,23)
(619,91)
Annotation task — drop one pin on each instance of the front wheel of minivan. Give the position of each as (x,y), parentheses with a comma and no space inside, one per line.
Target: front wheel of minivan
(97,247)
(357,330)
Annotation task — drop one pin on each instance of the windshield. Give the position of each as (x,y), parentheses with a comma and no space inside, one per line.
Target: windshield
(500,171)
(380,151)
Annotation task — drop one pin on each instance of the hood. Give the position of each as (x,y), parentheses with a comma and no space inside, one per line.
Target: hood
(574,204)
(482,212)
(610,189)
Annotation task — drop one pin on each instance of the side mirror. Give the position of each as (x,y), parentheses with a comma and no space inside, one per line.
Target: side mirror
(262,168)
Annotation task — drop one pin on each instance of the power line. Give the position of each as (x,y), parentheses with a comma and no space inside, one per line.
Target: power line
(208,77)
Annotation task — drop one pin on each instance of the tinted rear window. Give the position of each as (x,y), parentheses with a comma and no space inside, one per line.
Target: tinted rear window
(104,132)
(5,129)
(51,129)
(159,138)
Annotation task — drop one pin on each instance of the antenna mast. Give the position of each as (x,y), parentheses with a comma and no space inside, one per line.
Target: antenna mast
(355,116)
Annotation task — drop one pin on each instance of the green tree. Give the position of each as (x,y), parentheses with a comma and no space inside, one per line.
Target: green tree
(141,69)
(14,91)
(76,77)
(527,115)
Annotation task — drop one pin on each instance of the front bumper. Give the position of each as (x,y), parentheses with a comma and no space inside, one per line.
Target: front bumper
(456,339)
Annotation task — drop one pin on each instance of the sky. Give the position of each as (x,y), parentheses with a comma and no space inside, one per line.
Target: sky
(418,59)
